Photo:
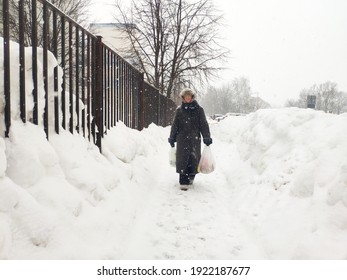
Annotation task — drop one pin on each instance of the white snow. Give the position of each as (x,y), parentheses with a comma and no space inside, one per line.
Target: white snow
(279,191)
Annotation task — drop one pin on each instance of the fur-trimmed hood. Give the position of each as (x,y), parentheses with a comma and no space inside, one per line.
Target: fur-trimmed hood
(187,91)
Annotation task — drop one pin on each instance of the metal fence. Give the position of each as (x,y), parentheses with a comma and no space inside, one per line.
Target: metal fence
(90,90)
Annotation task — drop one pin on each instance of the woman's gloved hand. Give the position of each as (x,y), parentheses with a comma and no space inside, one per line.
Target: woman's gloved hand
(207,141)
(172,142)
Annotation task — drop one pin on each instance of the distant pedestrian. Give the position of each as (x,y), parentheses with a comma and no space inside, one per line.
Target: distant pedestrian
(188,125)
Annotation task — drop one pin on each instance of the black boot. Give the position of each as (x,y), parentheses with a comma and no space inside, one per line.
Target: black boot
(184,182)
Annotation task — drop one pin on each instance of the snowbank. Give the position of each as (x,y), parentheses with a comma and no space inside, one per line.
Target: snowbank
(295,195)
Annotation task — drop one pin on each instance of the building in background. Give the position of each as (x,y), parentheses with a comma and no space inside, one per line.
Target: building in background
(114,35)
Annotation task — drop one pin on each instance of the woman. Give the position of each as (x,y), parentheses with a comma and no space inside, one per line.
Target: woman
(188,125)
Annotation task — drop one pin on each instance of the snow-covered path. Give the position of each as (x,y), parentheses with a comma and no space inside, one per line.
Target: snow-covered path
(196,224)
(202,223)
(185,225)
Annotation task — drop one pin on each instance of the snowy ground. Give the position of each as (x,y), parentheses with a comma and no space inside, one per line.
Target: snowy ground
(279,192)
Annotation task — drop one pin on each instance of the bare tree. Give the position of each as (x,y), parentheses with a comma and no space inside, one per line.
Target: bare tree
(341,102)
(173,41)
(234,97)
(242,93)
(218,100)
(293,103)
(328,98)
(301,102)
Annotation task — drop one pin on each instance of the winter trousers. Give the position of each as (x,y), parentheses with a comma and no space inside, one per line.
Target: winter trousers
(188,177)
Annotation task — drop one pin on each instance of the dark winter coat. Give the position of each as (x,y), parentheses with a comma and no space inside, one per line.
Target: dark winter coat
(188,125)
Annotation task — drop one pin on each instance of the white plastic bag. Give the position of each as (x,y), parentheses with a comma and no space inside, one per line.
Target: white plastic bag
(172,156)
(207,163)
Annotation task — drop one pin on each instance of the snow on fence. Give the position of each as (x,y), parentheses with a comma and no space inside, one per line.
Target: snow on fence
(86,87)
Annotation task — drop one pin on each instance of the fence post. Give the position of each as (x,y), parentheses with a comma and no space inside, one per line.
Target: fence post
(34,60)
(160,108)
(71,88)
(141,102)
(7,87)
(21,25)
(45,67)
(99,91)
(56,86)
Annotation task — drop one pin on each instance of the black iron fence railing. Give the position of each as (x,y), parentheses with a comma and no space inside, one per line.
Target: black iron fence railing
(89,90)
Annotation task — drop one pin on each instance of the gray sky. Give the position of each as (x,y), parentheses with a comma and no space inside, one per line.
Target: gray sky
(281,46)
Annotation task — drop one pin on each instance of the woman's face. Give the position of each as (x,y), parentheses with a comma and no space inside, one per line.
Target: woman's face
(187,98)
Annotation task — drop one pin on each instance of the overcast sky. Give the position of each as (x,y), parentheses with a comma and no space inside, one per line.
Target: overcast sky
(281,46)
